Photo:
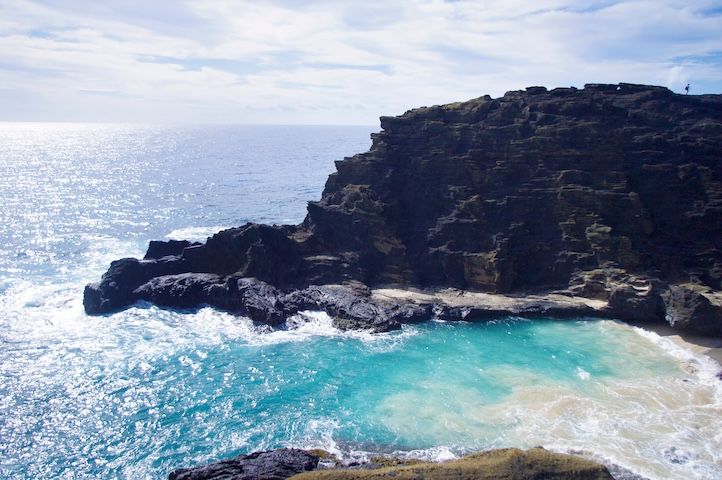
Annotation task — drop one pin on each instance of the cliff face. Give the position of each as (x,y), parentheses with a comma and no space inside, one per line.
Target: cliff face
(525,190)
(612,191)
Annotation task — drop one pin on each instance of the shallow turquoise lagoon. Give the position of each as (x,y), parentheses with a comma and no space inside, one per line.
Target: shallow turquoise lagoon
(143,392)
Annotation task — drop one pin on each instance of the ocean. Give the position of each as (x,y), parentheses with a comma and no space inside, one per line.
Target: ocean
(139,393)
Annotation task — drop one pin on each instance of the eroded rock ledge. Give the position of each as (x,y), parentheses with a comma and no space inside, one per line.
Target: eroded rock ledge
(502,464)
(611,193)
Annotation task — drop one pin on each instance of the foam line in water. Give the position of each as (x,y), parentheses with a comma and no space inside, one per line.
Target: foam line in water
(101,251)
(307,324)
(703,367)
(195,234)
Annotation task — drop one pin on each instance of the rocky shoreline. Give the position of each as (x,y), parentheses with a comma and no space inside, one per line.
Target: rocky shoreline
(500,464)
(603,293)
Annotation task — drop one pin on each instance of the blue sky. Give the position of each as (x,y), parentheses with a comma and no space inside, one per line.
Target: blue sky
(333,62)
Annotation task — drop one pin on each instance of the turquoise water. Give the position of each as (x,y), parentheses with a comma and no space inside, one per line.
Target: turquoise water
(141,392)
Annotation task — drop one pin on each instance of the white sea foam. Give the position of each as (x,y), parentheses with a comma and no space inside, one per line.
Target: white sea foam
(101,251)
(583,374)
(39,311)
(656,421)
(54,312)
(309,324)
(440,453)
(704,368)
(195,234)
(434,454)
(319,433)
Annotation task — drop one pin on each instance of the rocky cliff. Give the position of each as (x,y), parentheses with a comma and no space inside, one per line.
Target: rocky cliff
(612,192)
(502,464)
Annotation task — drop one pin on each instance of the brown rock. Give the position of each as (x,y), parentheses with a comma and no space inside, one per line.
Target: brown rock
(502,464)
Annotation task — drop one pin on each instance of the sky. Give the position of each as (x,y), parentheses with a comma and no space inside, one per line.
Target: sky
(333,61)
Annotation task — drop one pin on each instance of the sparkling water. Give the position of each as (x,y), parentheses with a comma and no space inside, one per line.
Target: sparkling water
(142,392)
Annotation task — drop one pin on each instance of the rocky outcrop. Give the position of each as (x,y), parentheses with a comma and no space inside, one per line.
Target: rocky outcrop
(158,249)
(502,464)
(689,309)
(272,465)
(612,192)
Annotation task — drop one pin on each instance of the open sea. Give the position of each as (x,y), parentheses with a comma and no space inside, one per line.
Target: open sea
(145,391)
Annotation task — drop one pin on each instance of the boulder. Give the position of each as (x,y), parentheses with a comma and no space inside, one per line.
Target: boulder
(158,249)
(115,289)
(688,309)
(271,465)
(636,304)
(185,290)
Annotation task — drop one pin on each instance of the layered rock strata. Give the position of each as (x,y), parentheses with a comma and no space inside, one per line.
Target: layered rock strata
(611,192)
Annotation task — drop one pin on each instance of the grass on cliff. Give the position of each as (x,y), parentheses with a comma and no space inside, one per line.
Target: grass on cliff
(504,464)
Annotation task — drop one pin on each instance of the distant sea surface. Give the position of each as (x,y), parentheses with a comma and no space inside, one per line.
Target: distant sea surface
(139,393)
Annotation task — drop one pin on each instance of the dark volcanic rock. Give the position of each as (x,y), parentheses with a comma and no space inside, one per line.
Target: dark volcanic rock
(260,301)
(158,249)
(185,290)
(688,309)
(521,193)
(628,302)
(350,305)
(273,465)
(116,287)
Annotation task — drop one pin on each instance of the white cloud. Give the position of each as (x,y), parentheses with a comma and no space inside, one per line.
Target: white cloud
(333,62)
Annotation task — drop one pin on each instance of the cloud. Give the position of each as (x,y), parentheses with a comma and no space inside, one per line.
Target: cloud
(333,62)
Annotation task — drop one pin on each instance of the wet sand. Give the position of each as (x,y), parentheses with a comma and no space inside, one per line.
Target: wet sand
(709,346)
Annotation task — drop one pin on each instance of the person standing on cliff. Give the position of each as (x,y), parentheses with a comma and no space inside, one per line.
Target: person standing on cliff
(686,89)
